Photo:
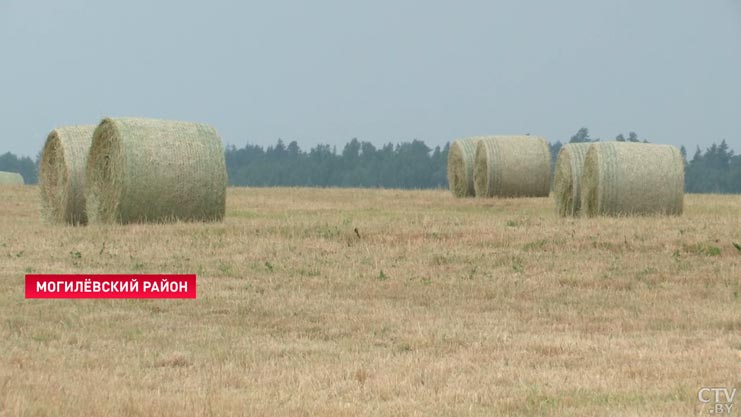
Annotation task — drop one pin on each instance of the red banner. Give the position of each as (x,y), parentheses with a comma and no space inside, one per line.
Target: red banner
(111,286)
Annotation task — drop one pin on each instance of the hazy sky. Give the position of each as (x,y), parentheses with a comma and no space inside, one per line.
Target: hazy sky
(382,71)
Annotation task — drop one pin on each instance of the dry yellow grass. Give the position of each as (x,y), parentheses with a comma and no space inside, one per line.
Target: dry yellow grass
(441,307)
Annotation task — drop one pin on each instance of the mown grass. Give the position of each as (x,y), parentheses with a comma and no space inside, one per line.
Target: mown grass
(435,307)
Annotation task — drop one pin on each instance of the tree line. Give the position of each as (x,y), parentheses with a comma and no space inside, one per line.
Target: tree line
(359,164)
(404,165)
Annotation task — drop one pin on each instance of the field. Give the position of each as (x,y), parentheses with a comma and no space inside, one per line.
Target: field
(435,307)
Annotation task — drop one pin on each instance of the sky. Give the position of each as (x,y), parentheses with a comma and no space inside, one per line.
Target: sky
(381,71)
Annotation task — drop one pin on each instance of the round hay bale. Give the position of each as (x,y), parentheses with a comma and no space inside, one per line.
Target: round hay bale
(11,178)
(145,170)
(460,167)
(512,166)
(62,174)
(623,178)
(566,184)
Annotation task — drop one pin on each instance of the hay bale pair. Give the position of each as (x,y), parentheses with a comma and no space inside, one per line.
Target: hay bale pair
(11,178)
(619,178)
(501,166)
(135,170)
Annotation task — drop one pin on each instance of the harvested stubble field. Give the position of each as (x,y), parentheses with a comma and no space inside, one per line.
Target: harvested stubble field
(442,307)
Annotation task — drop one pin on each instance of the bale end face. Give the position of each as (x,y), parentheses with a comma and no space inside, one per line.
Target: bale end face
(567,181)
(460,167)
(102,174)
(62,174)
(591,200)
(481,179)
(52,179)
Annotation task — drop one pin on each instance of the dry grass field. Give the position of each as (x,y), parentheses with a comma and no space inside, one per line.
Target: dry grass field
(436,307)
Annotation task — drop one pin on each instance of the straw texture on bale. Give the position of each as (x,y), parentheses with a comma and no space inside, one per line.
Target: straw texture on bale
(621,178)
(11,178)
(146,170)
(566,184)
(460,167)
(512,166)
(62,174)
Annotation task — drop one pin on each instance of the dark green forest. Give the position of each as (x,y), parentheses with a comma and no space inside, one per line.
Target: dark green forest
(359,164)
(404,165)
